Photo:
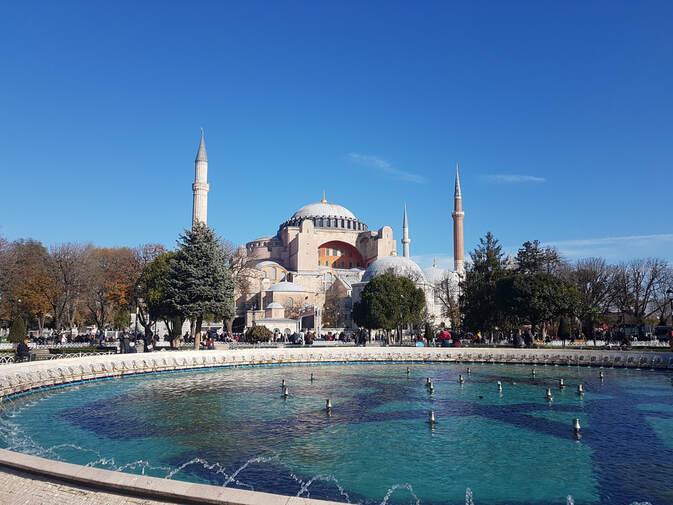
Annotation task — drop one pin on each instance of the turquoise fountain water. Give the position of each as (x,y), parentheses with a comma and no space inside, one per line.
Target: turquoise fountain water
(237,427)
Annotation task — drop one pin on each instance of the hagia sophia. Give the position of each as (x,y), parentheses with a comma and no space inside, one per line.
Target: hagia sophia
(310,272)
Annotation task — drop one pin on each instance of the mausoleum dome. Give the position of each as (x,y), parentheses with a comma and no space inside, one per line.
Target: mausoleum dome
(434,275)
(398,265)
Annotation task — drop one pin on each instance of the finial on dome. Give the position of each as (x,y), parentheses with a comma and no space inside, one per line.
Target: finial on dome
(434,262)
(324,198)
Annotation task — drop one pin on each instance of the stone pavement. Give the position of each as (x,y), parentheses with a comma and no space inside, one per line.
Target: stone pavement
(18,488)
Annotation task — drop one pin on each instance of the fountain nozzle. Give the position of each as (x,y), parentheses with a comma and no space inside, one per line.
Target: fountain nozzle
(576,426)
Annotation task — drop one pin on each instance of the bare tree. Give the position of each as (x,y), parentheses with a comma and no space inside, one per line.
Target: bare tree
(335,310)
(67,265)
(637,285)
(447,292)
(594,279)
(661,305)
(242,273)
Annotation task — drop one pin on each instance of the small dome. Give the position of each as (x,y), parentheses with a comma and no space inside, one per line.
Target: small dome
(324,209)
(286,287)
(398,265)
(274,305)
(435,275)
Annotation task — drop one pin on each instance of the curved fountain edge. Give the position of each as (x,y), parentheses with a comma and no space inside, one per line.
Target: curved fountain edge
(20,378)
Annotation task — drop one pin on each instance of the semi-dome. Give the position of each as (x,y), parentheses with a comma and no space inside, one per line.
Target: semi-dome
(326,215)
(286,287)
(274,305)
(398,265)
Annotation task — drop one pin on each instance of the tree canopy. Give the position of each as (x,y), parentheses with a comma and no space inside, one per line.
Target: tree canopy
(390,302)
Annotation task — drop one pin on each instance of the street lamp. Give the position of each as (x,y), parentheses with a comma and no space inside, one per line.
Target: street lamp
(136,318)
(669,292)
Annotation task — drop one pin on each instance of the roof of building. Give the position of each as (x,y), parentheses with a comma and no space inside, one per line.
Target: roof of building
(398,265)
(269,263)
(287,287)
(274,305)
(324,209)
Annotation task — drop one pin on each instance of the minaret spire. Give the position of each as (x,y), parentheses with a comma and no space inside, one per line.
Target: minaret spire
(405,234)
(200,187)
(458,217)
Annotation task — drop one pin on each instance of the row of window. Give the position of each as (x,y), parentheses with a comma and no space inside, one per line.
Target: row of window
(326,251)
(332,222)
(337,264)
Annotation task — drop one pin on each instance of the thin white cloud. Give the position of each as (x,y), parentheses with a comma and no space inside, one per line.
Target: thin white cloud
(369,161)
(618,248)
(514,178)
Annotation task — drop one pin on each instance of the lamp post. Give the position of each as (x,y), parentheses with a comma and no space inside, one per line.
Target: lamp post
(669,292)
(136,318)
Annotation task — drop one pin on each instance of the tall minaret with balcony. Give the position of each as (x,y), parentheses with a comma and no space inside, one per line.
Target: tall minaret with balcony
(405,234)
(200,187)
(458,216)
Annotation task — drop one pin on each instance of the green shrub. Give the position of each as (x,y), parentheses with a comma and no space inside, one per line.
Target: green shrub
(17,332)
(258,334)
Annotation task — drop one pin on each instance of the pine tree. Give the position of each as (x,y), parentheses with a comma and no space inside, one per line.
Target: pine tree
(199,282)
(17,332)
(477,300)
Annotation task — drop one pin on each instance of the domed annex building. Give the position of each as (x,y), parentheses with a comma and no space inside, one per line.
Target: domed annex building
(311,271)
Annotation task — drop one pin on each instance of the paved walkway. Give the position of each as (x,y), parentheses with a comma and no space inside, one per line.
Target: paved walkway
(17,488)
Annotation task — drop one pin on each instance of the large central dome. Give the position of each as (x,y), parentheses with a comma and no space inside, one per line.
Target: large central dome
(326,215)
(324,209)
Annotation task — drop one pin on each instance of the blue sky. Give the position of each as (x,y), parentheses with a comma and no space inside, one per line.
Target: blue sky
(560,113)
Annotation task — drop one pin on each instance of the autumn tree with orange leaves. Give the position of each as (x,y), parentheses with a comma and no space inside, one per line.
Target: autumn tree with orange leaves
(110,276)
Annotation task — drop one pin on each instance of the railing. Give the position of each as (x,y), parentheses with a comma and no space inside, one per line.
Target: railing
(6,346)
(8,359)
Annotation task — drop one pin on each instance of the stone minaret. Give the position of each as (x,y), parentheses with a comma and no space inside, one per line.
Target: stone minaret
(200,187)
(405,234)
(458,216)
